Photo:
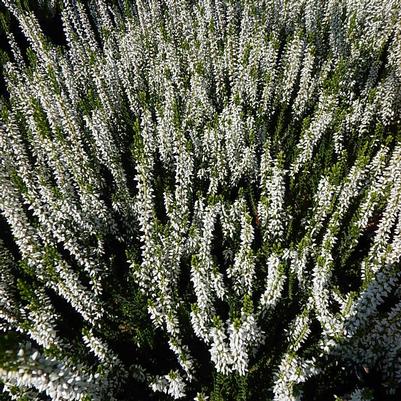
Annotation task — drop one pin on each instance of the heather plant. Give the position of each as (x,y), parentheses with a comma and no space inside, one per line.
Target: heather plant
(201,200)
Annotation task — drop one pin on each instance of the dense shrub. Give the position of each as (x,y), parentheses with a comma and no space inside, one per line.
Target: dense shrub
(201,200)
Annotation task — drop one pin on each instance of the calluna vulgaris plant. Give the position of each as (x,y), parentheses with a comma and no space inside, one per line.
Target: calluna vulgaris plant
(201,200)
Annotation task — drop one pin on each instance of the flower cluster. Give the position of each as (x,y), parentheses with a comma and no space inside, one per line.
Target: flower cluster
(200,199)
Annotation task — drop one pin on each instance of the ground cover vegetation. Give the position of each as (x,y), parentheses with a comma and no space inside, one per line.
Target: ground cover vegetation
(200,200)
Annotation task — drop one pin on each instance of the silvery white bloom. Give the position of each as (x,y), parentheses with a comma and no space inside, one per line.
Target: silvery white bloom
(239,152)
(219,351)
(171,384)
(201,397)
(274,283)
